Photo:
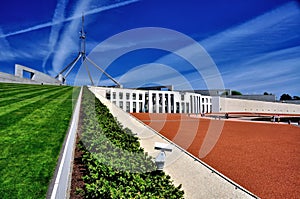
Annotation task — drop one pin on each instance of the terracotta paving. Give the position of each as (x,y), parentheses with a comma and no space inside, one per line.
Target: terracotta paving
(262,157)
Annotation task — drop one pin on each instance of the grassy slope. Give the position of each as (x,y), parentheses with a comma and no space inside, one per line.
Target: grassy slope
(33,123)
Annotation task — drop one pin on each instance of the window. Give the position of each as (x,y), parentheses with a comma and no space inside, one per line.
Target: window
(108,95)
(127,96)
(177,107)
(27,74)
(127,106)
(182,97)
(160,96)
(121,104)
(134,96)
(153,98)
(166,103)
(120,95)
(114,95)
(147,103)
(134,107)
(141,107)
(160,99)
(140,96)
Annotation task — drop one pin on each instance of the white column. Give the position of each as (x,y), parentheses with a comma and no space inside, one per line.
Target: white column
(196,104)
(199,105)
(163,102)
(130,104)
(150,102)
(157,102)
(169,103)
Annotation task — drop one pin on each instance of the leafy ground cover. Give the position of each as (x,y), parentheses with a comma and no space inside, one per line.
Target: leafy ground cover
(115,166)
(33,122)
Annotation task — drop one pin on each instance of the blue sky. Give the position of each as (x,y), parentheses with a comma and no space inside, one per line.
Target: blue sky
(254,44)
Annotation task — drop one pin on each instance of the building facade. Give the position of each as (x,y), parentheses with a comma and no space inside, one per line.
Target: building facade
(157,101)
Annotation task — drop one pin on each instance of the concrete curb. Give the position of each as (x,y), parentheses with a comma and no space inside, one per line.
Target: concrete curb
(61,182)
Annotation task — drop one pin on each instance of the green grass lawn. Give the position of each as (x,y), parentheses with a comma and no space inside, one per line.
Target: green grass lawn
(33,122)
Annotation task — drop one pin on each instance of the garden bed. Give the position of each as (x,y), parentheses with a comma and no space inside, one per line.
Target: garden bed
(109,162)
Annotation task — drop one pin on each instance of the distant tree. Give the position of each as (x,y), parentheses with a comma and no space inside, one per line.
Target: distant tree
(236,93)
(296,98)
(225,93)
(266,93)
(285,97)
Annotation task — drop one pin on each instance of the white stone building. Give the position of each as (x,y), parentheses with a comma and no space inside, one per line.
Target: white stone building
(157,101)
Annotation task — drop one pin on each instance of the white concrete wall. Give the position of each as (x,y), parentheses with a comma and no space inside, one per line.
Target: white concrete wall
(8,78)
(37,77)
(238,105)
(216,104)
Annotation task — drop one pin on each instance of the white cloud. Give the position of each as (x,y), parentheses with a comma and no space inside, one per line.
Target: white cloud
(260,25)
(8,53)
(69,40)
(59,15)
(5,48)
(76,15)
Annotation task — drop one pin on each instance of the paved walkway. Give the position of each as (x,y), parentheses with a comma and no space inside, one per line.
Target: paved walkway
(198,179)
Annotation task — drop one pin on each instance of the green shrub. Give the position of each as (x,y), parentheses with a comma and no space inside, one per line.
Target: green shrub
(117,167)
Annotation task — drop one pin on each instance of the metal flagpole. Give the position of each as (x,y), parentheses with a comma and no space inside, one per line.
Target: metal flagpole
(84,59)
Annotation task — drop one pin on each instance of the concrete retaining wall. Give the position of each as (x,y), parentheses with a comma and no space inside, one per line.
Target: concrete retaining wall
(8,78)
(266,98)
(239,105)
(36,77)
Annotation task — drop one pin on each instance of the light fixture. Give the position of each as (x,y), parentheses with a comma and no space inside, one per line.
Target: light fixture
(161,157)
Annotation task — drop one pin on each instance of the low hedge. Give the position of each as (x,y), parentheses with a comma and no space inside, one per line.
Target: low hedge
(116,165)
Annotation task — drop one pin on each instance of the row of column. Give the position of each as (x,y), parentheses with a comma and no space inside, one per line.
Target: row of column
(160,102)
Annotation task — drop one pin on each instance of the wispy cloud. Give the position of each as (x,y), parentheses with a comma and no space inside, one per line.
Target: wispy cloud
(59,15)
(74,16)
(67,44)
(8,53)
(37,27)
(154,73)
(260,53)
(257,36)
(5,47)
(276,71)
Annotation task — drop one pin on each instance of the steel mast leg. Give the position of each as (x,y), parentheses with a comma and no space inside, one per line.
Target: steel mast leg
(99,68)
(88,71)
